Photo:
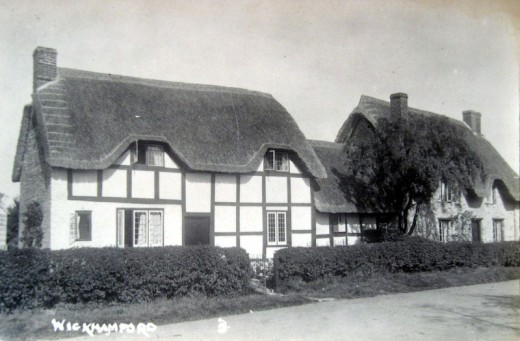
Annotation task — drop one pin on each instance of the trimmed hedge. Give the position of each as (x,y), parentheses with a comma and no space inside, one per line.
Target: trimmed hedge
(41,278)
(412,255)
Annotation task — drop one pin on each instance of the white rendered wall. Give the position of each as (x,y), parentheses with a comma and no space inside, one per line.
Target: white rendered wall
(322,223)
(114,183)
(250,189)
(225,188)
(269,252)
(143,184)
(293,169)
(225,219)
(301,218)
(84,183)
(301,239)
(198,192)
(226,241)
(251,219)
(323,241)
(300,190)
(170,185)
(276,189)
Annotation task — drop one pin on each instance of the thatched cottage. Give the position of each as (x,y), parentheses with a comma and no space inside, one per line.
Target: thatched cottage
(488,212)
(130,162)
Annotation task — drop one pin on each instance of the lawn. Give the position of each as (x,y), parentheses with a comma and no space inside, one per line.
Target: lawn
(37,323)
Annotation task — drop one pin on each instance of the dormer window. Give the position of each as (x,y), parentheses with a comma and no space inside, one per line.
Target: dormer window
(492,198)
(447,193)
(150,154)
(276,160)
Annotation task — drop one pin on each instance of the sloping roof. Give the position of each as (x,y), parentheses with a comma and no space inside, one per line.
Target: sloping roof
(329,198)
(88,119)
(495,167)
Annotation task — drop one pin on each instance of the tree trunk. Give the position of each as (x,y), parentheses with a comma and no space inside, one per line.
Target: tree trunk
(414,222)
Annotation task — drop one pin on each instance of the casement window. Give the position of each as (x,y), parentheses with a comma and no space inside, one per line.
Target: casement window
(148,228)
(336,222)
(276,160)
(498,230)
(150,154)
(447,193)
(492,198)
(81,226)
(444,228)
(139,228)
(276,228)
(154,155)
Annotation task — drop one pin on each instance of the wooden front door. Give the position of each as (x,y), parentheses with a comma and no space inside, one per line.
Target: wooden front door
(197,231)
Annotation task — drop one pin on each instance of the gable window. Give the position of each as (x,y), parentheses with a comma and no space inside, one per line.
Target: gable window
(444,228)
(81,226)
(276,228)
(447,194)
(276,160)
(492,198)
(150,154)
(498,230)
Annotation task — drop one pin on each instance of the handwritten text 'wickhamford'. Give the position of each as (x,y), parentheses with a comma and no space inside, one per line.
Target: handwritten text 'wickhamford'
(95,328)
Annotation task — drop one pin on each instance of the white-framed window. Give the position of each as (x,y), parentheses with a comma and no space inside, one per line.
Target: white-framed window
(147,228)
(444,228)
(276,228)
(498,230)
(447,193)
(276,160)
(81,226)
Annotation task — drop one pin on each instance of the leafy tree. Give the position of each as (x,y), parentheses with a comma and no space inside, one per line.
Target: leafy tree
(13,212)
(32,234)
(399,167)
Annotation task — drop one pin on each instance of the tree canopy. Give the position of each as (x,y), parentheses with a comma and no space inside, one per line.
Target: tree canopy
(401,165)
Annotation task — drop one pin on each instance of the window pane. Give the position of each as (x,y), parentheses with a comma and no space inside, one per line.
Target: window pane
(120,228)
(155,228)
(334,222)
(140,229)
(281,227)
(269,160)
(282,161)
(84,226)
(271,227)
(155,155)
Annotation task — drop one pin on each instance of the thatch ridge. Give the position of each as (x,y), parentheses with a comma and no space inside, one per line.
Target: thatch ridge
(88,119)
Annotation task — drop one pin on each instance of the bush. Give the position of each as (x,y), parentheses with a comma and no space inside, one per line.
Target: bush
(410,255)
(32,234)
(42,278)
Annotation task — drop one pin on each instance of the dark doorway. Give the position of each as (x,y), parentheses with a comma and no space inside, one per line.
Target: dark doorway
(196,231)
(475,230)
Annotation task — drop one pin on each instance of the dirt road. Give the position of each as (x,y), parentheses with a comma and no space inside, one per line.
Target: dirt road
(478,312)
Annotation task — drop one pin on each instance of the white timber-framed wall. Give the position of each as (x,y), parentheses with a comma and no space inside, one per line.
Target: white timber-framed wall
(235,206)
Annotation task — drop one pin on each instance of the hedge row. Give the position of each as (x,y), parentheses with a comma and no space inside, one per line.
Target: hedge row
(411,255)
(43,278)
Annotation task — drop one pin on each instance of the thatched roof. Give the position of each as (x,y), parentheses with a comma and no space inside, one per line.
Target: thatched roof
(495,167)
(329,198)
(88,119)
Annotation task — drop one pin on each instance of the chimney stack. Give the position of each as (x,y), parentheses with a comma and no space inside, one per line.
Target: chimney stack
(45,68)
(472,118)
(398,105)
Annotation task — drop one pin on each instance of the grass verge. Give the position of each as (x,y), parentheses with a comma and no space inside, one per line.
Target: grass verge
(36,323)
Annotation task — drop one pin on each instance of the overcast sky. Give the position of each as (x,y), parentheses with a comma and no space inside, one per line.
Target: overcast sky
(315,57)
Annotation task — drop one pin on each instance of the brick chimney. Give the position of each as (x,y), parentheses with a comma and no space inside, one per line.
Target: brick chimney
(44,66)
(472,118)
(398,105)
